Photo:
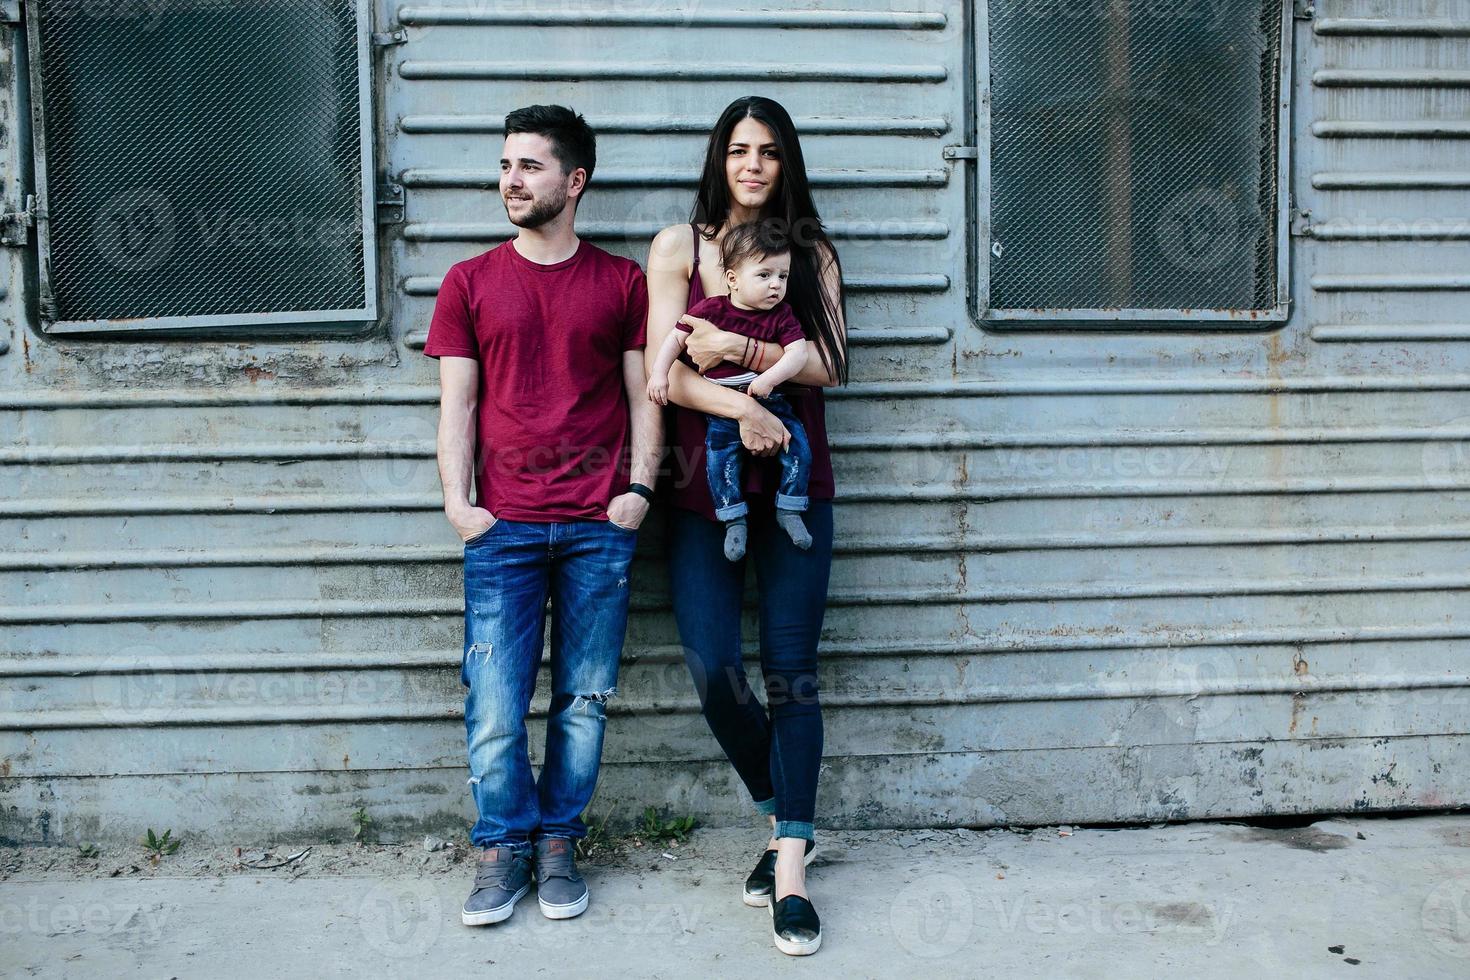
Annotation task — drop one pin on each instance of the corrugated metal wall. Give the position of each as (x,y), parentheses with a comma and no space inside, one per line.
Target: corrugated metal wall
(1080,576)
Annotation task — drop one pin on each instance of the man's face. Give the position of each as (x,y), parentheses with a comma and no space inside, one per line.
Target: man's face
(532,185)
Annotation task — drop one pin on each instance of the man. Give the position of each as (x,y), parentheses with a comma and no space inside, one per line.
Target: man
(541,376)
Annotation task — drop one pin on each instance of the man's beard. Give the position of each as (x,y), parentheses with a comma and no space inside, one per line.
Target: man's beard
(541,211)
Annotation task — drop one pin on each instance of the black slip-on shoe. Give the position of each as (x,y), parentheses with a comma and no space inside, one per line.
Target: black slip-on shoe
(762,880)
(795,926)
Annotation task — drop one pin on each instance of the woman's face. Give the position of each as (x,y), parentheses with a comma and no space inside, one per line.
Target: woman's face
(752,164)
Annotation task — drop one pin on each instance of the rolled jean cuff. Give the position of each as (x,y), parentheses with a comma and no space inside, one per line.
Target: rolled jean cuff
(784,502)
(794,828)
(766,807)
(731,511)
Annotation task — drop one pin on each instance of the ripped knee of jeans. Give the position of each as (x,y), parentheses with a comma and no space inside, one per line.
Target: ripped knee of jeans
(595,701)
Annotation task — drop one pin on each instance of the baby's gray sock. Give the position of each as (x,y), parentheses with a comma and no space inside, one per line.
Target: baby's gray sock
(735,539)
(792,524)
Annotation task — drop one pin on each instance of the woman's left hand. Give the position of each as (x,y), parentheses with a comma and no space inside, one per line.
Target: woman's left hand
(708,345)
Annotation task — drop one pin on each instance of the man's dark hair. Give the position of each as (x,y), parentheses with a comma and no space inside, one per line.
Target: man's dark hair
(572,140)
(753,240)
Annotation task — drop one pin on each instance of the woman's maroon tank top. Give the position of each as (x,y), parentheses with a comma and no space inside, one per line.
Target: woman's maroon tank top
(762,474)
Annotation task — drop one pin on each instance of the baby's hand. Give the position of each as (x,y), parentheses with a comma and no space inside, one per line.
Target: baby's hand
(658,390)
(759,388)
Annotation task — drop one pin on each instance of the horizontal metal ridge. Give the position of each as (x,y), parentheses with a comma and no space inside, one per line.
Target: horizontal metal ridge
(1392,129)
(690,15)
(1392,77)
(277,451)
(700,125)
(1016,643)
(251,395)
(1392,180)
(1120,438)
(1370,332)
(268,714)
(56,400)
(1378,26)
(1398,231)
(255,662)
(1390,281)
(923,282)
(292,503)
(640,231)
(839,441)
(819,177)
(693,70)
(856,336)
(1267,487)
(317,503)
(113,559)
(306,608)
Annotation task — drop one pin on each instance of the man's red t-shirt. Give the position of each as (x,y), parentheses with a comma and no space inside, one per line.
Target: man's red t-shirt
(553,416)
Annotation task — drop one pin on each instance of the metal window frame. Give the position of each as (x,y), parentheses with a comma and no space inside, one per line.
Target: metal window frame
(1076,317)
(353,317)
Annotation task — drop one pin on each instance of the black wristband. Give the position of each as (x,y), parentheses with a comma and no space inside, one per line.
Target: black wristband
(642,491)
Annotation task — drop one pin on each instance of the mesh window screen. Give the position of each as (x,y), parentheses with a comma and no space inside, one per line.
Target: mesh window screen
(1133,154)
(201,158)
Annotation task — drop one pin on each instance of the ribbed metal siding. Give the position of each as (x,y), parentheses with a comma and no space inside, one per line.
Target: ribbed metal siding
(1079,577)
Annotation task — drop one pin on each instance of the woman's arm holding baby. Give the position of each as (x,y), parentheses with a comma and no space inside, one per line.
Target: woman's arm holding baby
(788,367)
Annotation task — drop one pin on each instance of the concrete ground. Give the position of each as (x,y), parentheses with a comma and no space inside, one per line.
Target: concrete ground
(1368,897)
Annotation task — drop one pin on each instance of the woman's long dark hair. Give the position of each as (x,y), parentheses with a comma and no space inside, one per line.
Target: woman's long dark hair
(793,209)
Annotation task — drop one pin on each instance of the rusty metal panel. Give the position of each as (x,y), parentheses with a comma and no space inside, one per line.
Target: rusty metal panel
(1079,575)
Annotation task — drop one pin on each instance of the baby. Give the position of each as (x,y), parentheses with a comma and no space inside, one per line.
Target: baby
(757,261)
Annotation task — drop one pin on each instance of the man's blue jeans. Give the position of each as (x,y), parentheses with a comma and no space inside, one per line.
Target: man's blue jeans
(724,456)
(509,571)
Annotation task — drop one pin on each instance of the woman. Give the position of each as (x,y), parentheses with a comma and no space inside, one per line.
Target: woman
(754,170)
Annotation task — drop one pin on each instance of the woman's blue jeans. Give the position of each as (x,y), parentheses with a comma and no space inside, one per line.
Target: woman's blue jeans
(776,750)
(509,571)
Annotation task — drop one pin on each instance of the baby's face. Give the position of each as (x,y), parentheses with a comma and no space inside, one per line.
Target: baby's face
(760,283)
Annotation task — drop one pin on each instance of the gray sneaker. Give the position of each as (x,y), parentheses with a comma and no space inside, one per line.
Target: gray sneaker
(502,878)
(559,888)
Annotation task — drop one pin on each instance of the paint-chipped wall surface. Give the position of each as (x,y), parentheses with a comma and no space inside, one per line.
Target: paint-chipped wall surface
(1085,571)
